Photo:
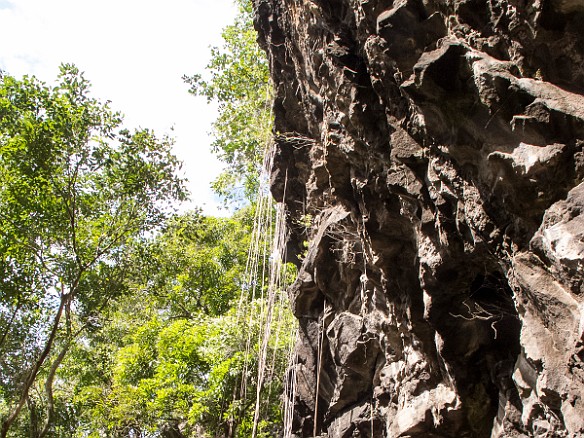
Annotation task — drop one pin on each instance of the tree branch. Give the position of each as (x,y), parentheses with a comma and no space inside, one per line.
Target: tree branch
(35,369)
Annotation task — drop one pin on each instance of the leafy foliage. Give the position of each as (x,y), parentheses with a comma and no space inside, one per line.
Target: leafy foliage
(239,82)
(197,264)
(179,369)
(118,318)
(78,194)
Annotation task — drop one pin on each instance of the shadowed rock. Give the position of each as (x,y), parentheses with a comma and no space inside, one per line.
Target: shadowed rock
(432,157)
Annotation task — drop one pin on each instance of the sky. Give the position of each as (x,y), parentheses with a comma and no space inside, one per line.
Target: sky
(135,53)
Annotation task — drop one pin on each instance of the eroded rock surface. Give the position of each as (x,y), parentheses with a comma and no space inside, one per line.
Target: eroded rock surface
(429,155)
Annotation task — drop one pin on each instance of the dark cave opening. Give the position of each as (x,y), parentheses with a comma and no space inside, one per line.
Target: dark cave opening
(481,345)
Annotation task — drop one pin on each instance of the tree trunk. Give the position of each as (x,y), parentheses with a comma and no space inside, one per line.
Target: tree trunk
(35,369)
(49,389)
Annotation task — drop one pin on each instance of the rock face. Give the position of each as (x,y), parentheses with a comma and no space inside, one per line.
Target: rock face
(430,157)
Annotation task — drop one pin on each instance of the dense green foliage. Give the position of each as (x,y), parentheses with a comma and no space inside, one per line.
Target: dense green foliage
(118,317)
(172,362)
(78,195)
(238,80)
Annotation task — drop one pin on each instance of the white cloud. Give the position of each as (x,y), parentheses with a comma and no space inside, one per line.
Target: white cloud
(134,52)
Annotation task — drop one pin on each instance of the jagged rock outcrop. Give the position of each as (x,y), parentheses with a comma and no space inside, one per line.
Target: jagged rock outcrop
(430,157)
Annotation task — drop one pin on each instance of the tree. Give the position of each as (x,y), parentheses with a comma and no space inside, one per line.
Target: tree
(239,83)
(177,357)
(78,194)
(197,263)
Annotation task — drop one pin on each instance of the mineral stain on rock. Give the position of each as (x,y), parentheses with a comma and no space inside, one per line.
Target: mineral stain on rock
(434,166)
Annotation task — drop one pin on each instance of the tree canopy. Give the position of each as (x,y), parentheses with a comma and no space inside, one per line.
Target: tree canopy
(179,351)
(119,317)
(237,78)
(78,194)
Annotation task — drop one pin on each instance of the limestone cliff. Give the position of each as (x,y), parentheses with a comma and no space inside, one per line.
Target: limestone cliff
(430,157)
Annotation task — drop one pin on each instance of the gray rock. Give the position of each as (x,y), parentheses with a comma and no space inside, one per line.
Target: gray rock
(436,147)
